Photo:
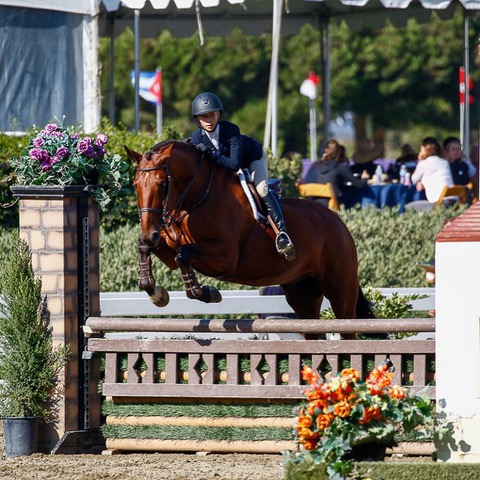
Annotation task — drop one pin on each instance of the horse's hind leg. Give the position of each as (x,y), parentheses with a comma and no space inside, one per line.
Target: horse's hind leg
(305,298)
(193,289)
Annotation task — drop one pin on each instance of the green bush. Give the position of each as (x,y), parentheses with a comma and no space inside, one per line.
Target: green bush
(389,246)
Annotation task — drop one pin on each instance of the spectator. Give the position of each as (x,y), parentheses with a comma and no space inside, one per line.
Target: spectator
(432,174)
(408,157)
(333,168)
(462,170)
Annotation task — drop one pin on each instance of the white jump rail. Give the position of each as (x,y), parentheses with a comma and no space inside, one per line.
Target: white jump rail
(234,302)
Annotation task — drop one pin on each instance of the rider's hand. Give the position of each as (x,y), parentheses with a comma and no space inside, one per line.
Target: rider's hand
(205,149)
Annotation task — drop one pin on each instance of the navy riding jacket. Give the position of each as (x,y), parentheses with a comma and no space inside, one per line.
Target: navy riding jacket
(235,150)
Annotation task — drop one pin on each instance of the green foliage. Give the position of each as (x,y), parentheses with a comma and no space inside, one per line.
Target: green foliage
(29,365)
(388,471)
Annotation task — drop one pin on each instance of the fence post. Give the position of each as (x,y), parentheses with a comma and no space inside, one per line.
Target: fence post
(61,227)
(457,265)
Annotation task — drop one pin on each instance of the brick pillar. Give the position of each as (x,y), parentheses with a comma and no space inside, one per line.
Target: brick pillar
(55,221)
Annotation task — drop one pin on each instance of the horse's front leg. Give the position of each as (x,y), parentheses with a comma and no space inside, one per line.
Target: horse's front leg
(193,289)
(158,295)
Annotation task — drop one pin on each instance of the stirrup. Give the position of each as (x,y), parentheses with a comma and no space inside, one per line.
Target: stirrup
(285,246)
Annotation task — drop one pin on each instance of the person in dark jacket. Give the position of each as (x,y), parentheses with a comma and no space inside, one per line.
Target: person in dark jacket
(331,168)
(223,143)
(461,170)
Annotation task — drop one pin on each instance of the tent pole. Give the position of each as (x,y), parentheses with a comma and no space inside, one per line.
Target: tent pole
(111,73)
(325,54)
(137,69)
(271,121)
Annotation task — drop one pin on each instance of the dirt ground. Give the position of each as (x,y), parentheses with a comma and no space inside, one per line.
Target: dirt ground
(152,466)
(149,466)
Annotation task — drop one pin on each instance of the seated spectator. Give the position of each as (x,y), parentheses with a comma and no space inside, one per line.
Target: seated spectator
(432,174)
(333,168)
(408,157)
(364,156)
(462,170)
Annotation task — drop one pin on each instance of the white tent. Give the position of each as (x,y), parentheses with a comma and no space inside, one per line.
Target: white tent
(49,63)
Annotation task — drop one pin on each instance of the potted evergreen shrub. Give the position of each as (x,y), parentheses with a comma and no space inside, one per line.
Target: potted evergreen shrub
(29,363)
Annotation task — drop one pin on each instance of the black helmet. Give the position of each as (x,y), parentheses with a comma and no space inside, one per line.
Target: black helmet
(206,102)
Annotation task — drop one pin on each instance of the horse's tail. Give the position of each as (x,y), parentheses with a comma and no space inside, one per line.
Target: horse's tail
(363,308)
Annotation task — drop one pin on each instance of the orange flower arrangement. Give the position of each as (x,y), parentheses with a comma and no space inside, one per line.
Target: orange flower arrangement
(345,411)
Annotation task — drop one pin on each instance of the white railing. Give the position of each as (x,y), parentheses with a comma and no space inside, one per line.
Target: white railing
(234,302)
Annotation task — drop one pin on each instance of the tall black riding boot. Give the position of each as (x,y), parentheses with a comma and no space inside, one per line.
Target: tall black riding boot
(282,242)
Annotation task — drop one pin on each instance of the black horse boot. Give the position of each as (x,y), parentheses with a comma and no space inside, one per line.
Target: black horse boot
(282,241)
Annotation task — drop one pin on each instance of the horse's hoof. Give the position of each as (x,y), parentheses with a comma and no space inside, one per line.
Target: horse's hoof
(211,294)
(160,297)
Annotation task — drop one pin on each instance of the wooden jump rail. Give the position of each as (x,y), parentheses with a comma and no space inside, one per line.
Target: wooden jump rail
(145,353)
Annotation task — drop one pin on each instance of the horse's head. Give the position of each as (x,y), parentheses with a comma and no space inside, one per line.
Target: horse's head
(151,185)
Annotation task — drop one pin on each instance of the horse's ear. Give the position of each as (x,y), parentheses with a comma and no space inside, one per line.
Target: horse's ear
(133,155)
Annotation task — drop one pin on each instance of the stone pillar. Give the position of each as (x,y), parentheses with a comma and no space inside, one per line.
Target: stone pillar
(61,226)
(457,266)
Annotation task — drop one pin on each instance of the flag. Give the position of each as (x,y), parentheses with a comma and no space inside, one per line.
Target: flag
(309,86)
(150,85)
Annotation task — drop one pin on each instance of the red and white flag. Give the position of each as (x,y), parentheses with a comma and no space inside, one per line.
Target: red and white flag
(309,86)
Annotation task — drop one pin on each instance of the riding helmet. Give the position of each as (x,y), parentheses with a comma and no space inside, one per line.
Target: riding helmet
(206,102)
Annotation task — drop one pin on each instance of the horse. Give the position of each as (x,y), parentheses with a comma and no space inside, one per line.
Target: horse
(195,216)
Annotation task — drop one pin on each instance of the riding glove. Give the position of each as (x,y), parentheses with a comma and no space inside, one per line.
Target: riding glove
(205,149)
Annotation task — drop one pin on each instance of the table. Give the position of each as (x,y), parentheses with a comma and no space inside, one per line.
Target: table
(380,196)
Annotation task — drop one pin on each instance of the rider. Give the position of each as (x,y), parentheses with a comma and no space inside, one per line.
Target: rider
(223,143)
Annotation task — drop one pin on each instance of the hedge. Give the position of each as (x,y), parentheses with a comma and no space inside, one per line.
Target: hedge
(389,247)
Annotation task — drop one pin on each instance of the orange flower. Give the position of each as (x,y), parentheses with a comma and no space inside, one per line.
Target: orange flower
(304,421)
(316,404)
(369,414)
(342,409)
(323,421)
(397,392)
(310,444)
(350,374)
(309,375)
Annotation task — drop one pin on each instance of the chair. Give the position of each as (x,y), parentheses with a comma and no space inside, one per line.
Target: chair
(323,190)
(459,191)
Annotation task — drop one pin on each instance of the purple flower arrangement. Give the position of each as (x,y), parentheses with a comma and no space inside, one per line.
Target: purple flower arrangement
(59,156)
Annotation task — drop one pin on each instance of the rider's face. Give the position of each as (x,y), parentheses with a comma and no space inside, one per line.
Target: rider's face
(208,121)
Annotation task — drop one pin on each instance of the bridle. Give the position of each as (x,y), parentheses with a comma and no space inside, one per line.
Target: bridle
(177,213)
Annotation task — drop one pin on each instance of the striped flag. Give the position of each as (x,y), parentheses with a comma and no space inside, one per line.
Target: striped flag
(150,85)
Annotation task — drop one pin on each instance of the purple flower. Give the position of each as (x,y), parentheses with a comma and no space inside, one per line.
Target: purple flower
(90,153)
(51,127)
(74,136)
(45,165)
(55,159)
(61,152)
(83,145)
(38,141)
(102,139)
(39,154)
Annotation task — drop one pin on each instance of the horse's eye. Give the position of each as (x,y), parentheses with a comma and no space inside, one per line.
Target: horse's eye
(162,187)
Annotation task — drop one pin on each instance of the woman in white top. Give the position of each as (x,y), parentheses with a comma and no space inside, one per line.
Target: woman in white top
(432,172)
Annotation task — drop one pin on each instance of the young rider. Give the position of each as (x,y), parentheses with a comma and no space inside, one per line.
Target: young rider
(223,143)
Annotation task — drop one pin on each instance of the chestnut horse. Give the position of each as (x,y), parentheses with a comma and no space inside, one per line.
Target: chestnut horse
(195,215)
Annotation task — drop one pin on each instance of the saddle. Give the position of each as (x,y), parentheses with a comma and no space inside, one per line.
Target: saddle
(258,208)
